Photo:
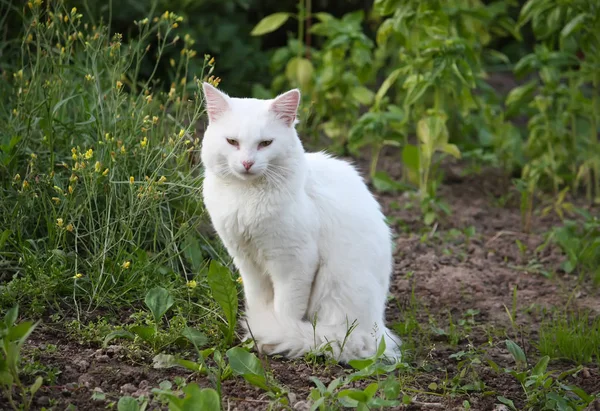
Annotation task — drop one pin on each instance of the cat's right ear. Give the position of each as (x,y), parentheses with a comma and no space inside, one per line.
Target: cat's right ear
(217,102)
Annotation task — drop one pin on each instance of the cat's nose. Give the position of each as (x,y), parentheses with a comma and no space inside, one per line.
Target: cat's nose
(247,164)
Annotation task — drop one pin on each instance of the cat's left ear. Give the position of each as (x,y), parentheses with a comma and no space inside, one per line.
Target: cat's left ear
(217,102)
(285,106)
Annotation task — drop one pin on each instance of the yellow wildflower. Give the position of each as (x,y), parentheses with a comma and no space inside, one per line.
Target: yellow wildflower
(56,200)
(59,222)
(192,284)
(149,98)
(89,154)
(17,177)
(131,180)
(144,142)
(181,133)
(119,85)
(154,120)
(25,184)
(211,61)
(78,276)
(74,10)
(69,227)
(71,189)
(105,172)
(172,62)
(162,179)
(239,280)
(122,149)
(175,25)
(89,77)
(98,167)
(126,265)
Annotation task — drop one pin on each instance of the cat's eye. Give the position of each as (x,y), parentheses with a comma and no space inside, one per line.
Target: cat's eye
(233,142)
(265,143)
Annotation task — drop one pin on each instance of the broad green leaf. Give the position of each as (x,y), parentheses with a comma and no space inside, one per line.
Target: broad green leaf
(196,337)
(158,301)
(243,362)
(299,70)
(507,402)
(246,364)
(117,334)
(384,183)
(516,352)
(270,23)
(193,252)
(451,149)
(540,367)
(361,364)
(11,316)
(128,403)
(224,292)
(20,330)
(6,378)
(318,383)
(355,394)
(363,95)
(200,399)
(146,333)
(36,385)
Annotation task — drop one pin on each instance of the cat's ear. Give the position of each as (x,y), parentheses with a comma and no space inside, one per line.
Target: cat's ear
(285,106)
(217,102)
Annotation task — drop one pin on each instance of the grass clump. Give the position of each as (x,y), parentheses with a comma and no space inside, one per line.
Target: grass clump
(99,187)
(575,337)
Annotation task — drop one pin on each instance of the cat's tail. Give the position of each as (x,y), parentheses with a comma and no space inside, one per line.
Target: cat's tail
(294,338)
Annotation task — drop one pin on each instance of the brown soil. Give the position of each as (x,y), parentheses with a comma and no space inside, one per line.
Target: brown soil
(447,278)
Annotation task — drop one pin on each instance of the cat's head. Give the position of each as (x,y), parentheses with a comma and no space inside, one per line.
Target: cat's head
(247,138)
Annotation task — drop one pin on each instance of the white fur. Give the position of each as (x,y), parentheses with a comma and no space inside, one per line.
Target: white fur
(305,233)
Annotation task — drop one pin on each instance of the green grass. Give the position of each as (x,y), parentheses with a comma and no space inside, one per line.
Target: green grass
(100,191)
(572,336)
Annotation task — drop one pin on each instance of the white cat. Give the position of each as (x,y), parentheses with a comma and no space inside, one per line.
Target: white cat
(308,238)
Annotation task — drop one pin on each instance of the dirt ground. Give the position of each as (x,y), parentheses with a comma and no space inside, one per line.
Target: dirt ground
(447,277)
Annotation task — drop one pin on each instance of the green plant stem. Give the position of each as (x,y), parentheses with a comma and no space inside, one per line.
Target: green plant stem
(301,18)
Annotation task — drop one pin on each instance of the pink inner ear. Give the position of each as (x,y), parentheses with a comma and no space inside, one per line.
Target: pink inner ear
(285,106)
(216,102)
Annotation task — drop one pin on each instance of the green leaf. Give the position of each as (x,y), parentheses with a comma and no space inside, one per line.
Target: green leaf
(128,403)
(243,362)
(158,301)
(4,237)
(19,331)
(11,316)
(6,378)
(355,394)
(361,364)
(516,352)
(224,292)
(196,337)
(363,95)
(540,367)
(299,70)
(451,149)
(200,399)
(270,23)
(384,183)
(385,86)
(246,364)
(507,402)
(36,385)
(146,333)
(574,25)
(117,334)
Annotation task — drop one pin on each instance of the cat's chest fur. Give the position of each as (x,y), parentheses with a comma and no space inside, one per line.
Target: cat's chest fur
(254,221)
